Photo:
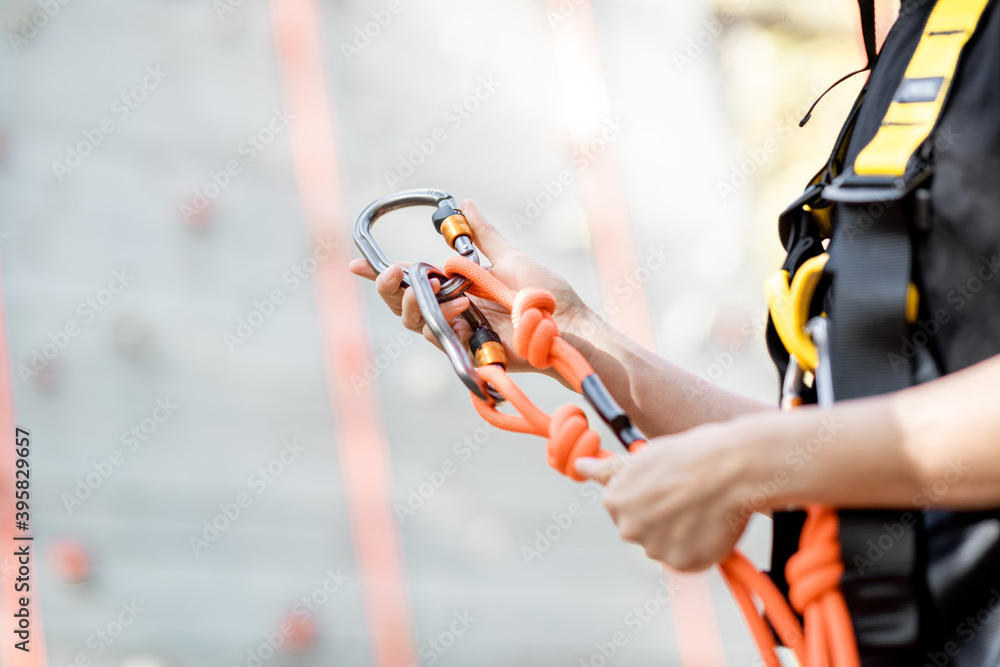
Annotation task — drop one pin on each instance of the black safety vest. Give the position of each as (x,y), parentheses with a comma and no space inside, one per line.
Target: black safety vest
(923,586)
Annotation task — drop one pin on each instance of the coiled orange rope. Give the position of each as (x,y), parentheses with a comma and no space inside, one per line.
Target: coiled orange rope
(813,573)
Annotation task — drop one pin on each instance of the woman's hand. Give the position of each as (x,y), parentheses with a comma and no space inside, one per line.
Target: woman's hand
(516,269)
(687,498)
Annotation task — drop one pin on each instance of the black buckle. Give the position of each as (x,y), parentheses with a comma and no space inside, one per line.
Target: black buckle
(852,188)
(787,220)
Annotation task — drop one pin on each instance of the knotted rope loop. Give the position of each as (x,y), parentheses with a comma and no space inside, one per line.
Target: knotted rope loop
(815,569)
(535,330)
(570,438)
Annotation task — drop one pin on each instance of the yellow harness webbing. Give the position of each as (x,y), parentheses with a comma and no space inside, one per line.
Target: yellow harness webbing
(920,97)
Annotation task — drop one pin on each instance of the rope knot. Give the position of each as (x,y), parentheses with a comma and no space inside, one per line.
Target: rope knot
(535,330)
(815,569)
(570,437)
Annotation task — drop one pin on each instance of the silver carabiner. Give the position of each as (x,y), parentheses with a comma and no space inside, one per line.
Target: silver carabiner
(485,343)
(792,386)
(448,220)
(817,327)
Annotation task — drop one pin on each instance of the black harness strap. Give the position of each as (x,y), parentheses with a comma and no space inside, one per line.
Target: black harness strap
(867,10)
(871,265)
(871,261)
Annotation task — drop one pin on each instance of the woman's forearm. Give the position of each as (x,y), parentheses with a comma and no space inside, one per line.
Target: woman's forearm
(934,445)
(661,397)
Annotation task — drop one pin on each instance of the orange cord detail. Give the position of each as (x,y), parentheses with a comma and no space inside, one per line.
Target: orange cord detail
(814,590)
(813,573)
(569,436)
(536,334)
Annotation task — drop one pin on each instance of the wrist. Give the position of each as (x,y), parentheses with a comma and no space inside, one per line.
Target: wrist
(588,332)
(582,328)
(577,319)
(762,458)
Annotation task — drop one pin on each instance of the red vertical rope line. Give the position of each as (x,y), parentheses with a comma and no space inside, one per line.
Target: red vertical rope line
(9,597)
(585,101)
(361,444)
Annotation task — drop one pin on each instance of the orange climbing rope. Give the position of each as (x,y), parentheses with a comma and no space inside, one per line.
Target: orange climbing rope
(813,573)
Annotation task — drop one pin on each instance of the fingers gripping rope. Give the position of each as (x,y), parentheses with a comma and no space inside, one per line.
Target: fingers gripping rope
(813,573)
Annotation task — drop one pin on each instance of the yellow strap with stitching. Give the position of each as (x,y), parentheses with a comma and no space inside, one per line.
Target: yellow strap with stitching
(917,104)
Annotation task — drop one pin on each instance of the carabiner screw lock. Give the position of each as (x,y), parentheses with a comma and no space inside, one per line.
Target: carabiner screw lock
(448,221)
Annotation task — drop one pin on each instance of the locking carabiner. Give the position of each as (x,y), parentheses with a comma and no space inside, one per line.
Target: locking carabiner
(447,219)
(484,343)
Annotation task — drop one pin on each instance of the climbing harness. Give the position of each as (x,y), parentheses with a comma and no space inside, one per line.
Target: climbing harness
(863,281)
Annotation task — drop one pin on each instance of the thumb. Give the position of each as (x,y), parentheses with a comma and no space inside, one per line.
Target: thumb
(600,469)
(488,238)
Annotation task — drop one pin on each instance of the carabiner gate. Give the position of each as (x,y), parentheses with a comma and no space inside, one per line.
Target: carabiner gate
(452,225)
(448,220)
(485,343)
